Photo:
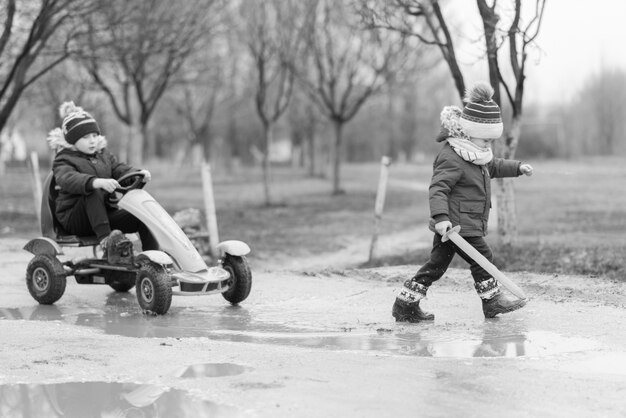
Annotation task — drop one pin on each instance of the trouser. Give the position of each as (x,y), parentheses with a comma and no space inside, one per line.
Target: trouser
(92,216)
(441,256)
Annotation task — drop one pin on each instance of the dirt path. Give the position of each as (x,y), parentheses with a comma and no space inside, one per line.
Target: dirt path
(315,342)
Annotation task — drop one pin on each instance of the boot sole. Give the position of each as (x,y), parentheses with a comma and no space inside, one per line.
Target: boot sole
(515,307)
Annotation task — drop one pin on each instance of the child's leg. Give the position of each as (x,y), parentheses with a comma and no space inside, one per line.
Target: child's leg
(126,222)
(89,216)
(440,258)
(494,301)
(478,273)
(406,307)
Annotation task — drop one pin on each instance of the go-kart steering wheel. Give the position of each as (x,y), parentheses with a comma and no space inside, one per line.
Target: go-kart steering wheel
(137,183)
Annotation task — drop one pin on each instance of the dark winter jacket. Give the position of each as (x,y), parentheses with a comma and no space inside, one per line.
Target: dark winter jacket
(461,191)
(74,173)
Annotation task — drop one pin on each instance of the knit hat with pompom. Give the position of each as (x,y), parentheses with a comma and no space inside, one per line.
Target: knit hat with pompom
(481,117)
(76,122)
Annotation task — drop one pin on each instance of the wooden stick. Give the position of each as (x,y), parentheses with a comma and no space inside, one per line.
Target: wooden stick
(34,162)
(380,202)
(209,207)
(453,235)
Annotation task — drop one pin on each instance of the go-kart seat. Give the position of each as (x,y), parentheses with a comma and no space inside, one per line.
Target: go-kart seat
(50,226)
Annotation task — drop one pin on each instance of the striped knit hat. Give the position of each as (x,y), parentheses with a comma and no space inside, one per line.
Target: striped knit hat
(76,122)
(481,116)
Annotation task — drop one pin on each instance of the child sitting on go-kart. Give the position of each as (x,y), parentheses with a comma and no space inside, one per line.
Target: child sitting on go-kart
(86,173)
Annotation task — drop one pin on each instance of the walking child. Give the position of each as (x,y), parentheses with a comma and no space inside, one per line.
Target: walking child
(460,194)
(86,172)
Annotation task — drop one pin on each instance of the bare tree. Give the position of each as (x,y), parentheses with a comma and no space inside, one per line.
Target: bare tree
(35,38)
(304,123)
(271,32)
(347,66)
(517,39)
(205,83)
(136,49)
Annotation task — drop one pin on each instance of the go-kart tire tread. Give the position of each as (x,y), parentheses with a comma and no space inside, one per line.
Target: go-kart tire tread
(56,277)
(162,298)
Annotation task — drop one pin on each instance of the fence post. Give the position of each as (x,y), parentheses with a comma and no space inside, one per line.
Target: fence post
(209,207)
(34,163)
(380,202)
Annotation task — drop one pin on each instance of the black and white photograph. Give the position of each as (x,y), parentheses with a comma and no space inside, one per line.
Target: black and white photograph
(312,208)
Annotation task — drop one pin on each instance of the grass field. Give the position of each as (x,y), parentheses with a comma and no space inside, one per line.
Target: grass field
(571,215)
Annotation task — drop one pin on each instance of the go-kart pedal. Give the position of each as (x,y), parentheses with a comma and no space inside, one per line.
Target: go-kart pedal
(118,249)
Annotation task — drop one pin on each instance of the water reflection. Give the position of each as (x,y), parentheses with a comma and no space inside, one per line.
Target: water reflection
(104,400)
(213,370)
(122,316)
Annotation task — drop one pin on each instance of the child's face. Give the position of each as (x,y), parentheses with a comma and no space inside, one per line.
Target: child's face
(482,142)
(87,144)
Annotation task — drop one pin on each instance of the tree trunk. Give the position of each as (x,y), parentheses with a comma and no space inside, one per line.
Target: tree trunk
(268,133)
(124,150)
(505,192)
(310,140)
(337,125)
(148,148)
(507,218)
(391,150)
(134,145)
(205,137)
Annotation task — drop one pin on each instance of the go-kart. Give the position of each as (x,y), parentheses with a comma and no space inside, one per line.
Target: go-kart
(176,268)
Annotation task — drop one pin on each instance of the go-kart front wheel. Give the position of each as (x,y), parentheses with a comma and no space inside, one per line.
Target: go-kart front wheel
(154,290)
(45,279)
(240,278)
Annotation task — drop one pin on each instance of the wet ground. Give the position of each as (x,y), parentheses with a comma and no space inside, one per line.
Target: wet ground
(313,343)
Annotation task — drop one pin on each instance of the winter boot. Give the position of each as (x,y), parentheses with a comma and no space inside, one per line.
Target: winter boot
(118,249)
(494,300)
(406,308)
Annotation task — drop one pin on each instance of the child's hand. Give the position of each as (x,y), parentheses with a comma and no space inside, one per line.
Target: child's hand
(442,227)
(146,175)
(108,185)
(526,169)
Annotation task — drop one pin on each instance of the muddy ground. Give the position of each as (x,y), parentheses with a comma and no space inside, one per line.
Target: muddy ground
(313,341)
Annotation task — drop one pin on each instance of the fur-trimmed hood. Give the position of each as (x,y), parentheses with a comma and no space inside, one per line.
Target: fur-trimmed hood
(56,141)
(450,126)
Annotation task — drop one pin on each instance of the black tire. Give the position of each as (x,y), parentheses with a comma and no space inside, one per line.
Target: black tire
(122,286)
(45,278)
(154,290)
(241,278)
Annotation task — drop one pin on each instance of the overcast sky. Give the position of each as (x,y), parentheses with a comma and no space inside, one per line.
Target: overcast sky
(577,39)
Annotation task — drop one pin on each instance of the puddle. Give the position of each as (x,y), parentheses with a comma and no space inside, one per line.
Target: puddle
(102,399)
(529,344)
(237,324)
(213,370)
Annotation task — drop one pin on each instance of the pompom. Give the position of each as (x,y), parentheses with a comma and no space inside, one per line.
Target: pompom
(68,108)
(479,92)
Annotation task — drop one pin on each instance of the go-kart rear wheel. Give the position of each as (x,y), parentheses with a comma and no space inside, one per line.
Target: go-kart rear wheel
(240,278)
(153,287)
(45,279)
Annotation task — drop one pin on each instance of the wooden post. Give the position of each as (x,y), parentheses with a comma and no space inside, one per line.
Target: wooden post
(380,202)
(34,163)
(209,207)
